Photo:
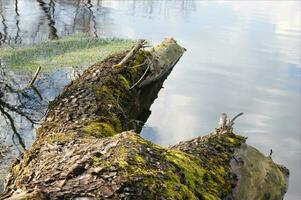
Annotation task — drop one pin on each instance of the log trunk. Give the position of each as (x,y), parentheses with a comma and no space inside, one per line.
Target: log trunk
(87,149)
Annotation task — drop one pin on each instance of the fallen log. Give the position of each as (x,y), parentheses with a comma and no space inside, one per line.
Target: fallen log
(87,149)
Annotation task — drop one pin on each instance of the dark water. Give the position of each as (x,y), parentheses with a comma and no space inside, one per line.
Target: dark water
(242,57)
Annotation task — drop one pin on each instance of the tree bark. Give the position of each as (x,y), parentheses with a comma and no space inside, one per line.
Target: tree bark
(88,146)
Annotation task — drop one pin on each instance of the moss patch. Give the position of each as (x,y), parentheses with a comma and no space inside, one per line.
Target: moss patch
(99,129)
(58,137)
(214,155)
(158,172)
(112,99)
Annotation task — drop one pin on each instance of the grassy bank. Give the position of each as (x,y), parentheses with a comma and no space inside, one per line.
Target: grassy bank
(77,50)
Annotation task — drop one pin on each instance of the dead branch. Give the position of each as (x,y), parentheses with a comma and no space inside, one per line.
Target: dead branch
(143,75)
(35,76)
(133,51)
(235,117)
(225,124)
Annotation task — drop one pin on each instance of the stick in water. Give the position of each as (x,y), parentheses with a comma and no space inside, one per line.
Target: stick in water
(35,76)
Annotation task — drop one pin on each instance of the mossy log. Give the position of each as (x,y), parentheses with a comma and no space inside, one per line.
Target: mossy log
(89,148)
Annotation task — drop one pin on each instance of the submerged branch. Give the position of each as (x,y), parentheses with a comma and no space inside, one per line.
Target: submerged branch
(35,76)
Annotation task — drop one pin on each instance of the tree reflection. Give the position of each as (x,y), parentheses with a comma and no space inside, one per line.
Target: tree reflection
(18,38)
(3,36)
(49,13)
(65,17)
(56,18)
(92,17)
(17,102)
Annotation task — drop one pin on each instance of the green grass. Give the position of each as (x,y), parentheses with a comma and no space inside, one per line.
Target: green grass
(77,50)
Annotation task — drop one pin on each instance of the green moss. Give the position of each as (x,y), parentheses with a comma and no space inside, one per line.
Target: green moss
(122,163)
(181,178)
(125,83)
(163,173)
(174,190)
(139,159)
(136,65)
(133,74)
(115,122)
(189,165)
(99,129)
(118,160)
(211,163)
(115,95)
(102,90)
(59,137)
(193,176)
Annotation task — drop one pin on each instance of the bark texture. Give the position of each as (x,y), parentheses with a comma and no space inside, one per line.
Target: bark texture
(85,149)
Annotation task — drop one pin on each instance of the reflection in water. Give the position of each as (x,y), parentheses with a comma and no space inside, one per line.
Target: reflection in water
(18,101)
(21,110)
(59,18)
(3,35)
(49,13)
(18,39)
(242,57)
(93,18)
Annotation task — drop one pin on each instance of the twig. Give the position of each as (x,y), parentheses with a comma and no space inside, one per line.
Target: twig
(225,124)
(151,63)
(141,77)
(137,46)
(35,76)
(271,152)
(139,65)
(234,118)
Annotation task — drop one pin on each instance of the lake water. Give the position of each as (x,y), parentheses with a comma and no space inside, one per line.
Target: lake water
(242,56)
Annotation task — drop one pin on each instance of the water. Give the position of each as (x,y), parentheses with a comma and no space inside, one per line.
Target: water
(242,57)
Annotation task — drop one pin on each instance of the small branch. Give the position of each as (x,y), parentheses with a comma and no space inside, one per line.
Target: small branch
(225,124)
(143,75)
(231,123)
(35,76)
(133,51)
(139,65)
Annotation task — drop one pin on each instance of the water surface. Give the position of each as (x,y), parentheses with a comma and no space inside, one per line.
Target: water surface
(241,57)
